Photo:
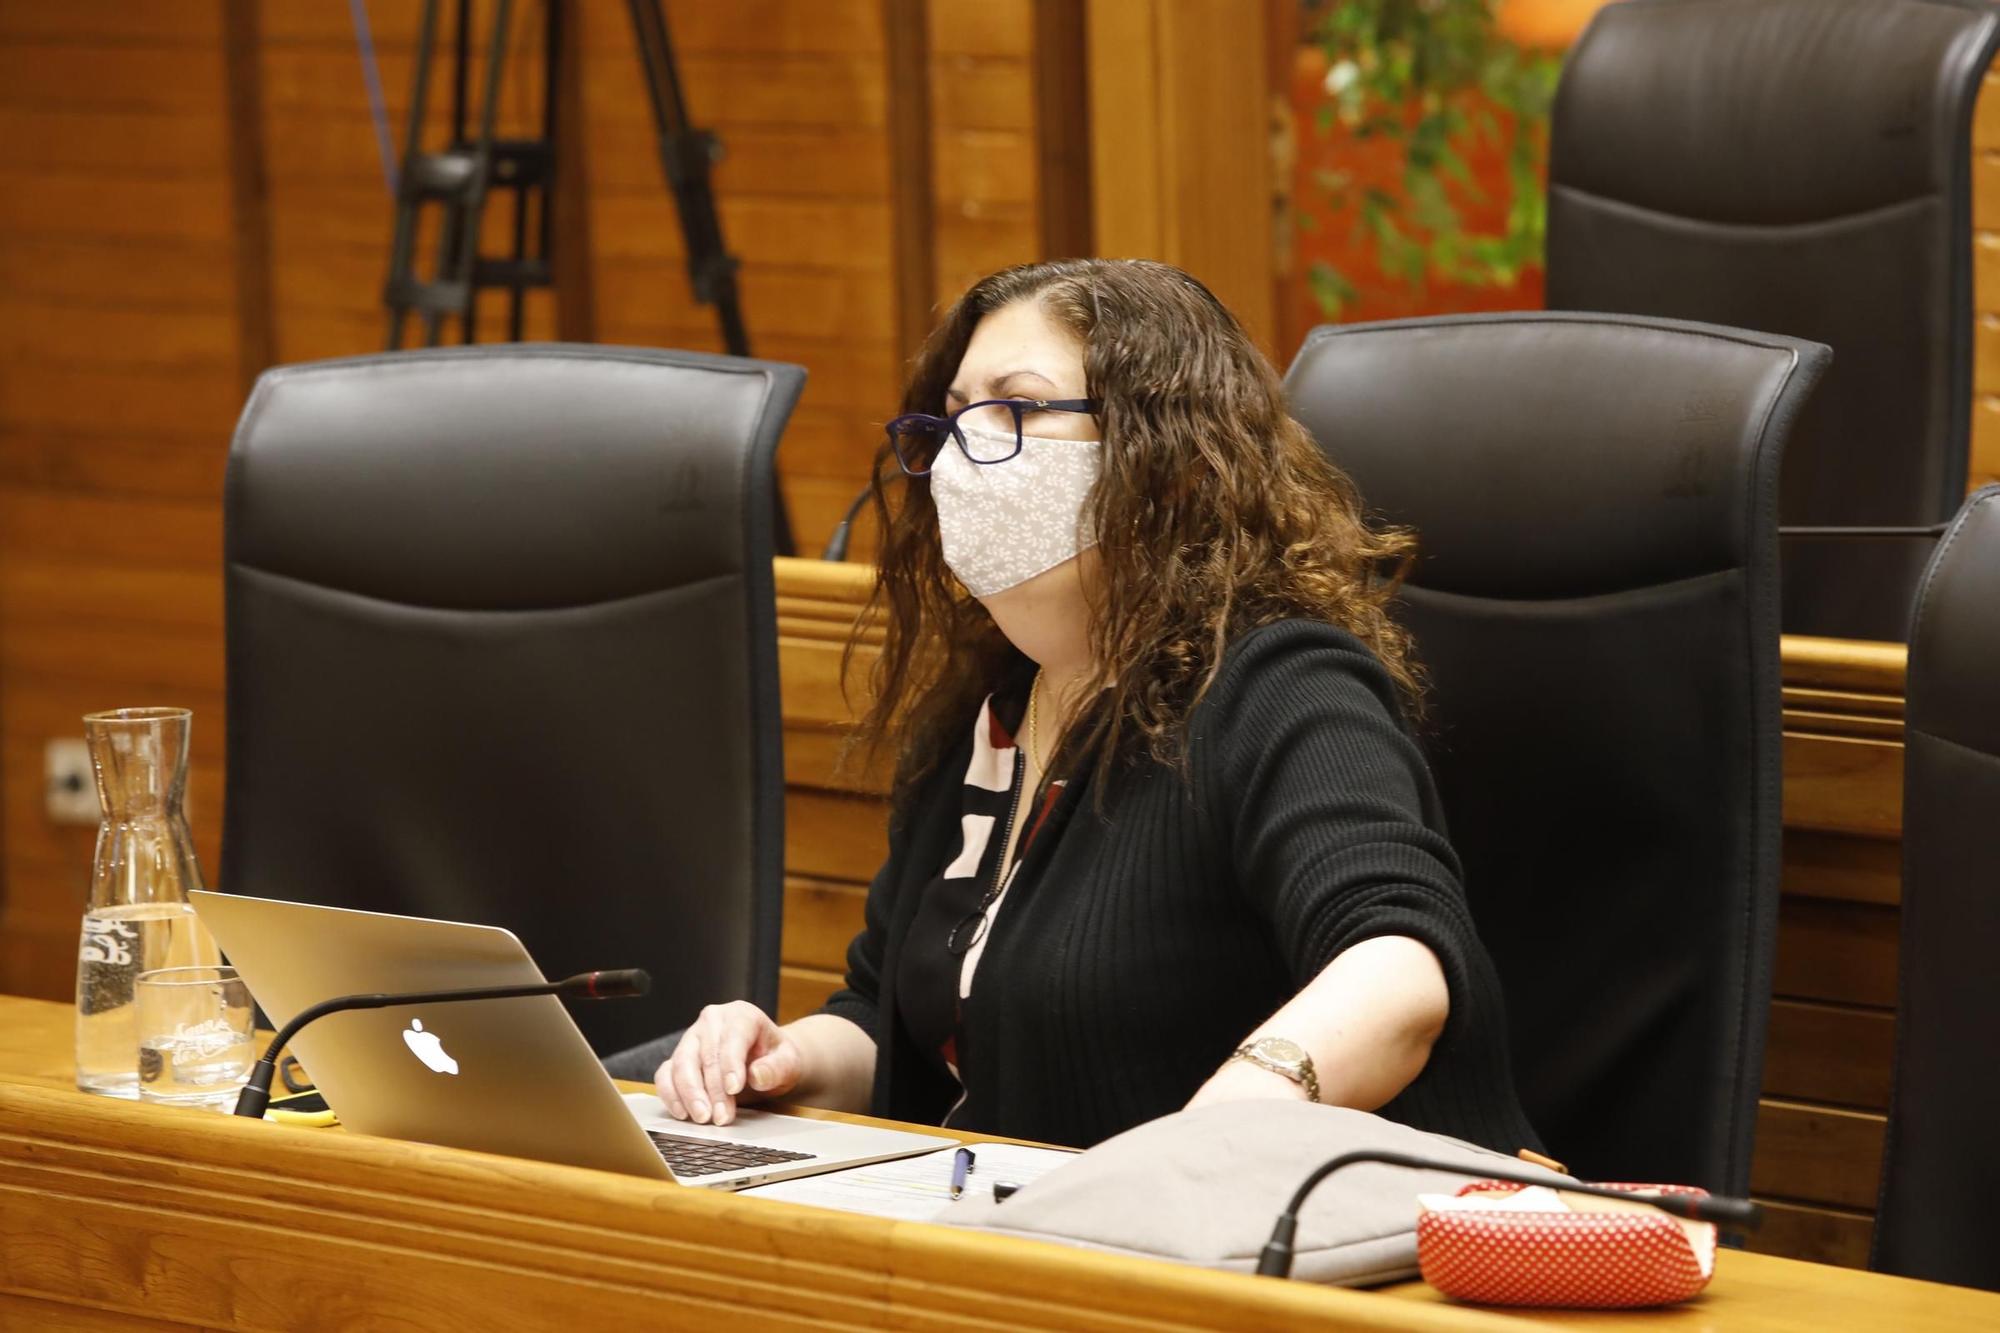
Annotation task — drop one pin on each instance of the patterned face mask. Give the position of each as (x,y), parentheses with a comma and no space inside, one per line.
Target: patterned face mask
(1004,523)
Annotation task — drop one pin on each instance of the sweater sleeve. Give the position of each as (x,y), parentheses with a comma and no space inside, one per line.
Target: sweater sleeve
(1328,807)
(859,998)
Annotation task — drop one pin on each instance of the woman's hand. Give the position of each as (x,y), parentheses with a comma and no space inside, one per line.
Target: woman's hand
(733,1053)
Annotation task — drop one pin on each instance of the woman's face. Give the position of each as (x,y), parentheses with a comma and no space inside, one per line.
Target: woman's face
(1019,352)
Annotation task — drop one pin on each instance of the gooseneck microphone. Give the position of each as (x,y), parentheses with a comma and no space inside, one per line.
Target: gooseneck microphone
(836,545)
(1276,1258)
(613,985)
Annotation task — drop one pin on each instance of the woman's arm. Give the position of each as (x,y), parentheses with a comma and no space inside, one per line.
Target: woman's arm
(736,1053)
(1324,800)
(1368,1021)
(838,1070)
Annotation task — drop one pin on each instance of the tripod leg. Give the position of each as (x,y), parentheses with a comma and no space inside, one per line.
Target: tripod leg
(686,155)
(468,253)
(552,53)
(461,71)
(450,231)
(401,264)
(517,294)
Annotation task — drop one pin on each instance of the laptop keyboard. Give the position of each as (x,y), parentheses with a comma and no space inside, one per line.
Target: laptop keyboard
(706,1157)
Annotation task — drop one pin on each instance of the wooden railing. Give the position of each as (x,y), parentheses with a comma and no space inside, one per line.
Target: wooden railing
(1826,1073)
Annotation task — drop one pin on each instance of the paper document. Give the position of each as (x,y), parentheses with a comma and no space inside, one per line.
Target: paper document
(916,1189)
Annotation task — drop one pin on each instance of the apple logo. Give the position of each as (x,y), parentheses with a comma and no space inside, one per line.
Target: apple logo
(427,1047)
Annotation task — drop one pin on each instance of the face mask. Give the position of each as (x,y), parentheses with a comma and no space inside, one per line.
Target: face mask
(1004,523)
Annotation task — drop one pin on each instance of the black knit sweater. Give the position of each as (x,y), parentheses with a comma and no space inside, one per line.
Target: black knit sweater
(1146,934)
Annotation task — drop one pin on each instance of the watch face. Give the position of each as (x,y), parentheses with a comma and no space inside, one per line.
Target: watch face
(1280,1051)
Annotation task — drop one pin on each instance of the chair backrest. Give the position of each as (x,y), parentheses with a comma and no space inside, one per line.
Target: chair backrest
(502,648)
(1595,603)
(1940,1169)
(1801,166)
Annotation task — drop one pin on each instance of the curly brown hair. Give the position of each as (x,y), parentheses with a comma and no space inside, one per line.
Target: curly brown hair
(1214,511)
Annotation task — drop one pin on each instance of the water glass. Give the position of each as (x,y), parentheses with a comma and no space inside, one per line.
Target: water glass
(195,1036)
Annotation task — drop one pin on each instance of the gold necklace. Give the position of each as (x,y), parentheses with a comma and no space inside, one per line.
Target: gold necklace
(1034,723)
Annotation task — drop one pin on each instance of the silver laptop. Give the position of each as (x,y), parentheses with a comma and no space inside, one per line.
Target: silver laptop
(502,1076)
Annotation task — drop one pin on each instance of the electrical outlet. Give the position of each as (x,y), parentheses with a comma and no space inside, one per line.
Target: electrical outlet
(69,790)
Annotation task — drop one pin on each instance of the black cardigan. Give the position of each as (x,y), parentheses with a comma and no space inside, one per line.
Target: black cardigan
(1146,935)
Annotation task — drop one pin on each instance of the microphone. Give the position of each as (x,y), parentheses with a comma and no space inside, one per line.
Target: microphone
(620,983)
(836,545)
(1276,1257)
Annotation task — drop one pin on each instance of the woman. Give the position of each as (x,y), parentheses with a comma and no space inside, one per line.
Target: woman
(1159,833)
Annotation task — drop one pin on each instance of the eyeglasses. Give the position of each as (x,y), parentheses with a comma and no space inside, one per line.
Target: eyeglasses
(916,437)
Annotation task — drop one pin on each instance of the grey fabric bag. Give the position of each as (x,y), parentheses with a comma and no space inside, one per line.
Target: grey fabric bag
(1204,1186)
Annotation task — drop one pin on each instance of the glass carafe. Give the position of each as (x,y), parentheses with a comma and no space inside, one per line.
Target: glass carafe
(139,917)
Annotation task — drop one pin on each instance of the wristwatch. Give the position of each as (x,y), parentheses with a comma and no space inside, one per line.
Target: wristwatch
(1281,1057)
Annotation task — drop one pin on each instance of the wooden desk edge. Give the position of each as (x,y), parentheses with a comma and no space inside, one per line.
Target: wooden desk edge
(74,1171)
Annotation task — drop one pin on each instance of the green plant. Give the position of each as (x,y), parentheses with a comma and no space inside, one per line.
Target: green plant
(1436,76)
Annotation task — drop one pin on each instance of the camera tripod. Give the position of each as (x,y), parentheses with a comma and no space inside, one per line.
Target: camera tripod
(460,179)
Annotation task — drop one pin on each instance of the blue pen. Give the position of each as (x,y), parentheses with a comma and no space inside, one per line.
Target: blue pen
(961,1162)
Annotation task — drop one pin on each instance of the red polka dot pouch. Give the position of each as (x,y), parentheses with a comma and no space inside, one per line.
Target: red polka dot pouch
(1500,1244)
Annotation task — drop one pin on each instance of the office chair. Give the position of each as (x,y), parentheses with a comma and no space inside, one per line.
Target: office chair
(1940,1164)
(502,648)
(1595,600)
(1801,166)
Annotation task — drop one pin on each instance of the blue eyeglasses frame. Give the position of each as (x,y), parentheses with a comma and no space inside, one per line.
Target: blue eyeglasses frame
(910,425)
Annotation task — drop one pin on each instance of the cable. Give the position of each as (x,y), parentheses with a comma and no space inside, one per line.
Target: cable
(371,75)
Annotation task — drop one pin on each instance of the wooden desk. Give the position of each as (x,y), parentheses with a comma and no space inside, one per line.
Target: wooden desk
(121,1216)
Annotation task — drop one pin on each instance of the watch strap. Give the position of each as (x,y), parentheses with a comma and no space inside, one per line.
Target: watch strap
(1304,1075)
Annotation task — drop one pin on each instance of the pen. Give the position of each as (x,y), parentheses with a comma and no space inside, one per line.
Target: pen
(961,1162)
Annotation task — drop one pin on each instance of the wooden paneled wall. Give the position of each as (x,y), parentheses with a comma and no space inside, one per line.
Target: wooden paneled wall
(986,183)
(120,376)
(1827,1066)
(190,191)
(1180,146)
(1985,463)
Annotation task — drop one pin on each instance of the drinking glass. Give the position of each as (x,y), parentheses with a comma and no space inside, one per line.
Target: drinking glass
(195,1036)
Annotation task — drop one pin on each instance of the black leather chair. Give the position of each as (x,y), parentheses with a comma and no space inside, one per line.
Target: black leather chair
(1941,1159)
(502,648)
(1801,166)
(1595,600)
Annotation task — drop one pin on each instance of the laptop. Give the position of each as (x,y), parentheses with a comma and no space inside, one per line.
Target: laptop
(512,1076)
